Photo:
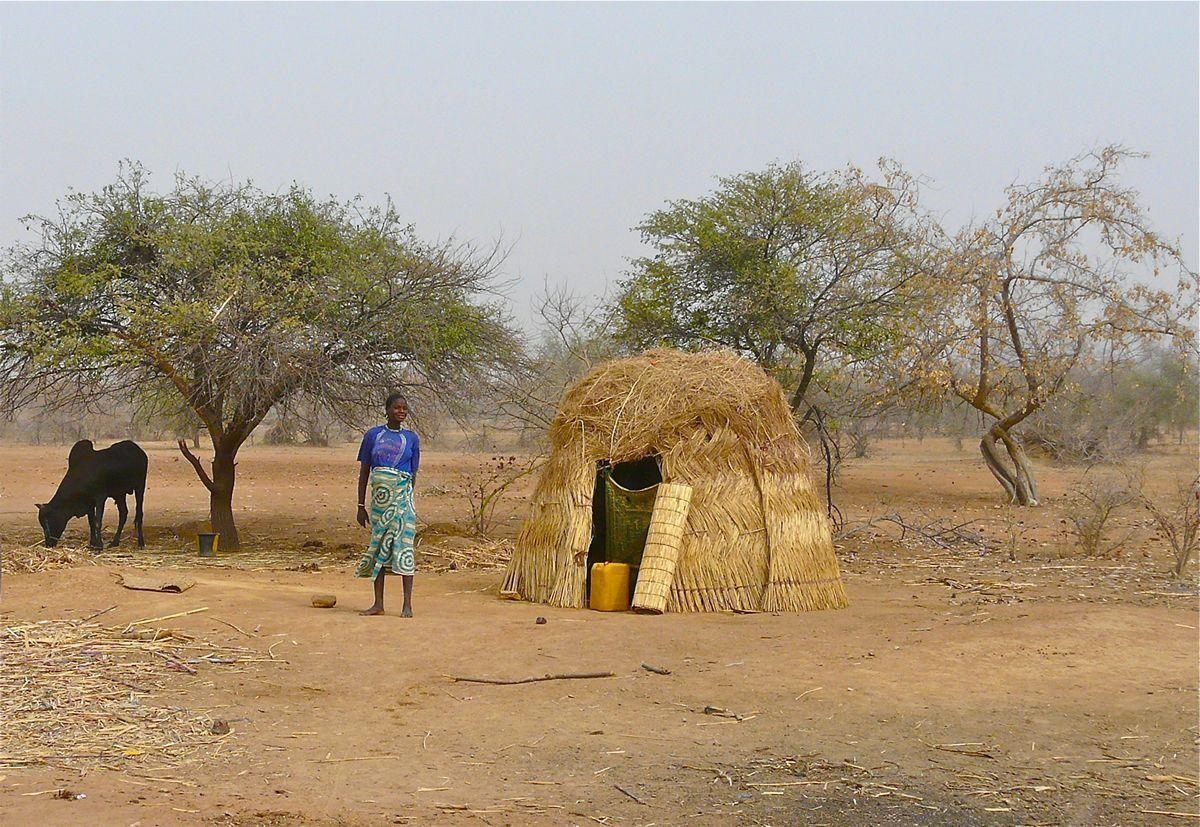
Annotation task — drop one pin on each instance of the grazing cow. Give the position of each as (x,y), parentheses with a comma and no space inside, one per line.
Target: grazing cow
(93,477)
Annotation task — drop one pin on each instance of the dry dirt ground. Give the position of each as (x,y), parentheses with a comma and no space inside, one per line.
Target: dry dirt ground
(984,673)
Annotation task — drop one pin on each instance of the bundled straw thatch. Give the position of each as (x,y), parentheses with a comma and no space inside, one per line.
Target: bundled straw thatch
(756,537)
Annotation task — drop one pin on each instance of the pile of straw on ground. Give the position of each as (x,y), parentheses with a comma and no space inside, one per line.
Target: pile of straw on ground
(480,553)
(34,557)
(756,539)
(465,553)
(77,694)
(270,557)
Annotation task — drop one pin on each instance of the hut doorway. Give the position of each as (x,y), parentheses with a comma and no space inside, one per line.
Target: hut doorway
(622,502)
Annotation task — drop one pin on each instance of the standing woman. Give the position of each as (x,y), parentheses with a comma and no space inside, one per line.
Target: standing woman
(389,459)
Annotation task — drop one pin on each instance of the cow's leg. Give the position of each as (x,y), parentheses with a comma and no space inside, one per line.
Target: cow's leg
(122,514)
(96,523)
(138,493)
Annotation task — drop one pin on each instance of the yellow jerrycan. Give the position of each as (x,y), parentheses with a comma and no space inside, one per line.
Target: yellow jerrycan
(610,587)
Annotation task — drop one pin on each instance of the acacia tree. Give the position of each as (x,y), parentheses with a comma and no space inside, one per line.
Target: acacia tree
(792,268)
(1043,286)
(232,301)
(812,276)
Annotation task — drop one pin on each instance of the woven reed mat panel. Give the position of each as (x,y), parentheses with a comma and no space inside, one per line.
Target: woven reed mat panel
(663,543)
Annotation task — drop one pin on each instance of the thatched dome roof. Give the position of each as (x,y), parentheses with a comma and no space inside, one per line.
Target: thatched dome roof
(632,407)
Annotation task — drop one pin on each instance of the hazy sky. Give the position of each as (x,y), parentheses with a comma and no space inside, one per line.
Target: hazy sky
(558,127)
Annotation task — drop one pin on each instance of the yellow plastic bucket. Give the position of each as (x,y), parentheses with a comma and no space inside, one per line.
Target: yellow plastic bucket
(610,587)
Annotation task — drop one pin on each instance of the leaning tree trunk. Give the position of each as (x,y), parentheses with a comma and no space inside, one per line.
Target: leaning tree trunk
(1015,473)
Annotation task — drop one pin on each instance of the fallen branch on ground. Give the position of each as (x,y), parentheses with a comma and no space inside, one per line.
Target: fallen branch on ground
(621,789)
(936,532)
(561,676)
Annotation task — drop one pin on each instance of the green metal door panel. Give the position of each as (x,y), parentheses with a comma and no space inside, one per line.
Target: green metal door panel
(627,521)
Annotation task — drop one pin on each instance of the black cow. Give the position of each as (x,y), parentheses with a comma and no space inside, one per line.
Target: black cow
(93,477)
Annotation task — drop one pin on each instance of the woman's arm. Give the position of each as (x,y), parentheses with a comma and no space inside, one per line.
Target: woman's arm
(364,474)
(416,459)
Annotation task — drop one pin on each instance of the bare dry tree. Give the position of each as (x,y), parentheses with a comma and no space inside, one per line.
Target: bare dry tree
(1045,284)
(571,340)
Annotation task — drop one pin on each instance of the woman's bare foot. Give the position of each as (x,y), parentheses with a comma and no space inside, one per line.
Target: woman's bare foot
(373,610)
(405,612)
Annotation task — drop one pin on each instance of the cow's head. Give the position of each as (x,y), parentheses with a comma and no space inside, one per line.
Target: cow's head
(53,521)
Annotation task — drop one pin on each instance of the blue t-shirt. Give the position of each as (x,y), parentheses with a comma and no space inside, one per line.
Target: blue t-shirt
(384,448)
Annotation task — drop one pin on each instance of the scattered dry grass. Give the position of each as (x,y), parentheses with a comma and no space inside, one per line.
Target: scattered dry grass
(78,694)
(480,553)
(438,552)
(36,557)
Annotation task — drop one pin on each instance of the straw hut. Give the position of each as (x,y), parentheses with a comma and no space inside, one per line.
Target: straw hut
(755,537)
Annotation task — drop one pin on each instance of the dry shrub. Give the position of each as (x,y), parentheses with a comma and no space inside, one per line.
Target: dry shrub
(1092,506)
(1178,522)
(485,488)
(1084,443)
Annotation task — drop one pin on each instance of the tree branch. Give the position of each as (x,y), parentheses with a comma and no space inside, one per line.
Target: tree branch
(195,461)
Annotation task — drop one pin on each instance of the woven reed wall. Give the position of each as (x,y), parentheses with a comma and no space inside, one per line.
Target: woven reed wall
(549,562)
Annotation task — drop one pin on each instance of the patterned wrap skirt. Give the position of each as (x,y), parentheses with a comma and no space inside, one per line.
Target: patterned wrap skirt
(393,525)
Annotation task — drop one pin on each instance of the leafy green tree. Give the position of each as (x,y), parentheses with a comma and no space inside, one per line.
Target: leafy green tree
(818,278)
(1042,287)
(1163,386)
(226,301)
(794,269)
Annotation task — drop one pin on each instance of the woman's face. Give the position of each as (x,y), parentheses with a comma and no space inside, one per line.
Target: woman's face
(397,412)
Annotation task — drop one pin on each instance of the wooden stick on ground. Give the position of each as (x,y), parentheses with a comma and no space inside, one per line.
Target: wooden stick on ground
(974,753)
(1152,812)
(166,617)
(621,789)
(233,626)
(176,663)
(560,676)
(95,615)
(359,758)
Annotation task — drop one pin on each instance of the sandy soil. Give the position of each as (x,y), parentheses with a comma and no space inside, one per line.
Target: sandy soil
(1001,680)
